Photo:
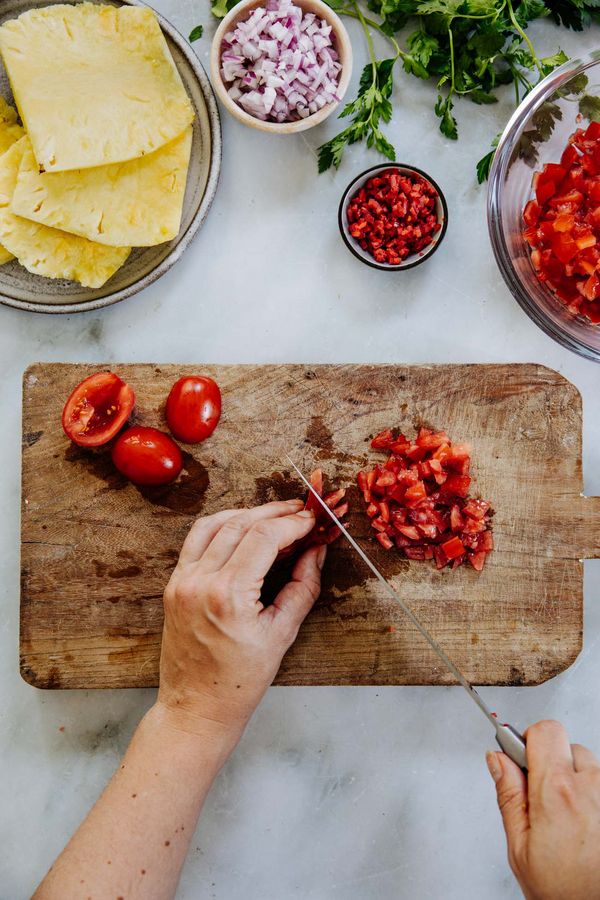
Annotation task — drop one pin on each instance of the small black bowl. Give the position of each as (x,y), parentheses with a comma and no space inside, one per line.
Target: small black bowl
(415,259)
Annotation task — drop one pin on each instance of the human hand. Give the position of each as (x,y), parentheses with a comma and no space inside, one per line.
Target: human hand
(221,648)
(551,819)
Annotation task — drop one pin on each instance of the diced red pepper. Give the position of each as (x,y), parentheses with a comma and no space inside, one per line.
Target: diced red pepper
(394,215)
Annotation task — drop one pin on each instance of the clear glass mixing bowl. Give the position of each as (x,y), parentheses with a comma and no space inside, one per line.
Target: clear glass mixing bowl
(536,134)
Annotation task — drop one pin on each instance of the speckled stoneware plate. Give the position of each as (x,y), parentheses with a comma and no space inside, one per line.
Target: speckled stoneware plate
(23,290)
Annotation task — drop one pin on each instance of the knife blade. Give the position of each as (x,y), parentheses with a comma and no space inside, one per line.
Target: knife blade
(509,739)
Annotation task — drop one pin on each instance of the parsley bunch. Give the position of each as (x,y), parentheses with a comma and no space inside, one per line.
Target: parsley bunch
(469,47)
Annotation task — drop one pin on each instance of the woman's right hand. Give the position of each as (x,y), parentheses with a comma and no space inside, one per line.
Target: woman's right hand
(551,818)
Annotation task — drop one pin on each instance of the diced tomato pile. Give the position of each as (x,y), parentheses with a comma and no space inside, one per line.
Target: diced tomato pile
(418,500)
(394,215)
(324,531)
(563,224)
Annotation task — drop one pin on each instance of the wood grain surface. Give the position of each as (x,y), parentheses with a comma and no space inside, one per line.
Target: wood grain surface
(97,551)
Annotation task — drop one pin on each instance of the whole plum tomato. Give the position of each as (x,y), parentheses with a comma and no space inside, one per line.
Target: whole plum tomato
(147,456)
(194,408)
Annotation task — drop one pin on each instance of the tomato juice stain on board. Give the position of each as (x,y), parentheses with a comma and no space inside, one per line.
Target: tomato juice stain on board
(186,495)
(103,569)
(277,486)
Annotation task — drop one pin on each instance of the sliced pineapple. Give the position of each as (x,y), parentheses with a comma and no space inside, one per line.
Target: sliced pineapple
(5,256)
(94,84)
(10,130)
(137,203)
(47,251)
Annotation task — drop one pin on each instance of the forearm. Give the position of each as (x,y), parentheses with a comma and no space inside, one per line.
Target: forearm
(134,841)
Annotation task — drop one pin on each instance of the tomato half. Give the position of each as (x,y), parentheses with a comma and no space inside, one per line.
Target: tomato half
(147,456)
(194,408)
(97,409)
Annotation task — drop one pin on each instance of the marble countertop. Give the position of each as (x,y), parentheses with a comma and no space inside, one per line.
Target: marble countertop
(334,793)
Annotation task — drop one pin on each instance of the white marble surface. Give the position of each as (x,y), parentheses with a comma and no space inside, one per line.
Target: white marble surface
(334,793)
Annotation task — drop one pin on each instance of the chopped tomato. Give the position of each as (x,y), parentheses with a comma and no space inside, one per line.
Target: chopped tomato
(417,500)
(325,531)
(453,548)
(97,409)
(562,224)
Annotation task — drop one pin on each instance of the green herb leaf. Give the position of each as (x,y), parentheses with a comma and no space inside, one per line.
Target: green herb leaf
(196,33)
(479,96)
(589,107)
(220,8)
(443,109)
(485,163)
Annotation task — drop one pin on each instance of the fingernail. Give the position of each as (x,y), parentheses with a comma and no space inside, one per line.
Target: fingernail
(306,514)
(321,556)
(493,765)
(296,501)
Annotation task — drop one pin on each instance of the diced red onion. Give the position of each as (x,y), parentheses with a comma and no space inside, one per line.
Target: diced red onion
(280,64)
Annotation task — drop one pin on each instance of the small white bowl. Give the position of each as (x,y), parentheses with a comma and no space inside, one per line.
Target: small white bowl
(342,46)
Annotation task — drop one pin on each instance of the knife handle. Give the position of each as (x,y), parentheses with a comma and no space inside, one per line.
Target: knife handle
(513,744)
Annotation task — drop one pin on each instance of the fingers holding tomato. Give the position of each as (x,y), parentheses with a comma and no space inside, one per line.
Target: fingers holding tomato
(193,408)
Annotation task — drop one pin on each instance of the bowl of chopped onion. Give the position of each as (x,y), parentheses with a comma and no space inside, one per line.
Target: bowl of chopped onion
(281,66)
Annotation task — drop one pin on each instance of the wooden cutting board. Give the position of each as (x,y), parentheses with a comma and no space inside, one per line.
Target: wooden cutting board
(97,551)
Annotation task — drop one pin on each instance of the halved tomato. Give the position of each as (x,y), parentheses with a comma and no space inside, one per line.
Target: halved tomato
(97,409)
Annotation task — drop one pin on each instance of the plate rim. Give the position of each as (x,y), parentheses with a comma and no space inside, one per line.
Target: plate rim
(186,238)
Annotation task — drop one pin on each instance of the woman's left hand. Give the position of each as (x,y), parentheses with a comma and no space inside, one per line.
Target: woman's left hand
(221,647)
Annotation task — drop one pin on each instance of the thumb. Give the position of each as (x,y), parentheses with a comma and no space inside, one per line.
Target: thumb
(511,790)
(296,599)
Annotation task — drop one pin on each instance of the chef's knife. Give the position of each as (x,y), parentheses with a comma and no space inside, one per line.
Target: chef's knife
(509,739)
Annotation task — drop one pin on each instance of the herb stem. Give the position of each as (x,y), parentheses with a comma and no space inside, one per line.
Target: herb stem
(524,37)
(356,14)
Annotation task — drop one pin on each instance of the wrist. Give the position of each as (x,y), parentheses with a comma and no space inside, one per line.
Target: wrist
(191,729)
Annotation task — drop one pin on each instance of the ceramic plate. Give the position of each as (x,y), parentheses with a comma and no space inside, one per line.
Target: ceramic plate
(23,290)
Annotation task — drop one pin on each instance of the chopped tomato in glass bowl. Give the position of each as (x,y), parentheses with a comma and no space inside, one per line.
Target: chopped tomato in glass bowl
(544,207)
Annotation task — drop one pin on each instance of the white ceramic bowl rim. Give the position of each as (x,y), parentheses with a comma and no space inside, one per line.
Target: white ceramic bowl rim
(361,254)
(498,173)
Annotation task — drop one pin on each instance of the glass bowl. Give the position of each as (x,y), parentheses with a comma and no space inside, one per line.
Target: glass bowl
(536,134)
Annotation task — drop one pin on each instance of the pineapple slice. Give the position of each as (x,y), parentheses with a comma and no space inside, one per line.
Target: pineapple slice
(137,203)
(94,84)
(10,131)
(47,251)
